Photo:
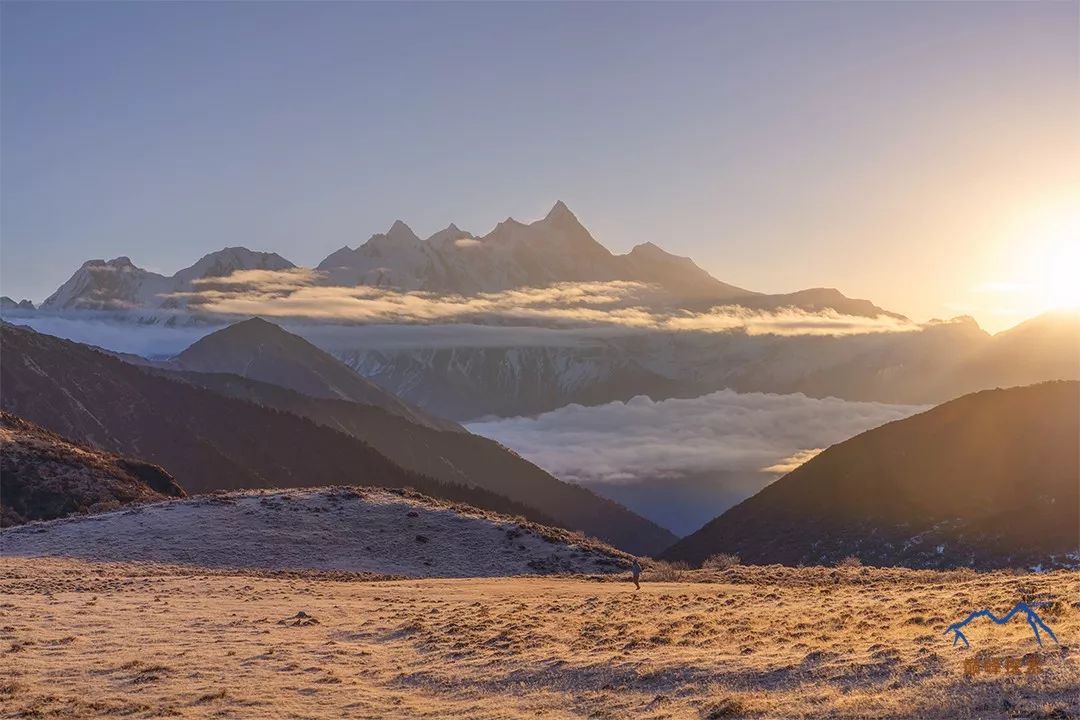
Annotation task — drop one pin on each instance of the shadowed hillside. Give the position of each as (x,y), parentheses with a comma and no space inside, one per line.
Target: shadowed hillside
(45,476)
(211,442)
(991,479)
(448,456)
(261,350)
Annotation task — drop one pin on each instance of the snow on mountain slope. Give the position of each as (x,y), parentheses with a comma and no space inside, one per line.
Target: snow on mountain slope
(225,262)
(465,381)
(341,528)
(556,248)
(396,258)
(119,284)
(469,382)
(8,305)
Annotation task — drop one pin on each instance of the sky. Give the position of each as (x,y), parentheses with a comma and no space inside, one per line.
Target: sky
(922,155)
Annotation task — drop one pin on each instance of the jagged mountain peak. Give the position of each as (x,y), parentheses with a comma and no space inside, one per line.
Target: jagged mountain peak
(242,255)
(560,211)
(9,304)
(448,234)
(122,262)
(236,251)
(560,217)
(226,261)
(651,249)
(555,248)
(400,232)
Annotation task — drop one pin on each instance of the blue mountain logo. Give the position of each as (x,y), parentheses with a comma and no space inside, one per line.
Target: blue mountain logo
(1033,620)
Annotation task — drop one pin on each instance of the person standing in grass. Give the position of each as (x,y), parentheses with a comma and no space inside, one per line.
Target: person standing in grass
(635,573)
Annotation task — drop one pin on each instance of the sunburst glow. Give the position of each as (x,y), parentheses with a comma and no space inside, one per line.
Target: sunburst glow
(1052,265)
(1037,268)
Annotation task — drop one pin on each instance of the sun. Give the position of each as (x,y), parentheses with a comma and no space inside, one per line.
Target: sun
(1037,266)
(1054,266)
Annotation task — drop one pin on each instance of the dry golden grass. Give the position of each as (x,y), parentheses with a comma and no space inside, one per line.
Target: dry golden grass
(82,640)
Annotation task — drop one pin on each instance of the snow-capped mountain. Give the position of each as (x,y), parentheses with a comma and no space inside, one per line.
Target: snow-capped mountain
(396,258)
(556,248)
(116,284)
(119,284)
(9,305)
(230,260)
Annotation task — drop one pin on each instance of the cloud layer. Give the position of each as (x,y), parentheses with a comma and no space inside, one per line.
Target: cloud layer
(720,432)
(98,329)
(300,294)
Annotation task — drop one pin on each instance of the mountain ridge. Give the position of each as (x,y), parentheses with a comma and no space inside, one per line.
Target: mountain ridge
(119,284)
(988,480)
(260,350)
(554,249)
(210,441)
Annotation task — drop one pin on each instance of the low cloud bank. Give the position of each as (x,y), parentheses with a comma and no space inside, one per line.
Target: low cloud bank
(150,340)
(722,432)
(299,294)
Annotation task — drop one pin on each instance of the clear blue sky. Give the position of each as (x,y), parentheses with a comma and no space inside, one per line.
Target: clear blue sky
(880,148)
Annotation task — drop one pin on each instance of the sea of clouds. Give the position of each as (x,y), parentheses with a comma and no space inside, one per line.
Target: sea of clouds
(642,439)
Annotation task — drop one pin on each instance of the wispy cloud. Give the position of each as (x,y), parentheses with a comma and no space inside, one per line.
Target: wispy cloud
(793,461)
(299,293)
(642,440)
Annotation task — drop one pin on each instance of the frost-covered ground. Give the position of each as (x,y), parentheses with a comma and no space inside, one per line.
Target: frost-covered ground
(82,640)
(346,529)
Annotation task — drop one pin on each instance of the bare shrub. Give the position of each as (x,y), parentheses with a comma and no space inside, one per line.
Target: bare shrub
(851,561)
(721,561)
(664,571)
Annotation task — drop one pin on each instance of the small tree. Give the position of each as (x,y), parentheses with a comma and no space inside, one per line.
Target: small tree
(851,561)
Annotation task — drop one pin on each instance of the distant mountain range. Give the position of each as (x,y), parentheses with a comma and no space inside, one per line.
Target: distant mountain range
(463,379)
(119,284)
(46,476)
(254,434)
(988,480)
(557,248)
(937,362)
(9,305)
(554,249)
